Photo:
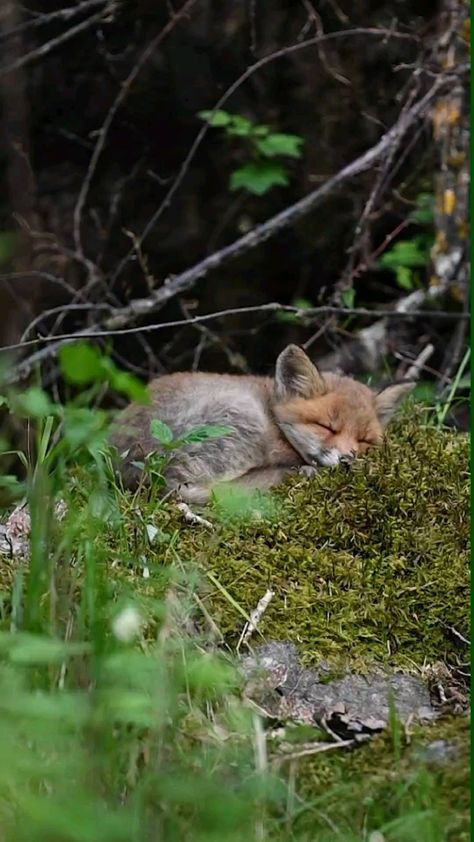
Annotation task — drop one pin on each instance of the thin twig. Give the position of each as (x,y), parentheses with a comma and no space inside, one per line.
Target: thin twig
(413,373)
(56,342)
(119,99)
(255,617)
(317,748)
(48,46)
(191,518)
(60,14)
(258,65)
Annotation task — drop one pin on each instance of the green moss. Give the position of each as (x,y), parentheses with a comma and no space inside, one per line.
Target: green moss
(367,565)
(397,792)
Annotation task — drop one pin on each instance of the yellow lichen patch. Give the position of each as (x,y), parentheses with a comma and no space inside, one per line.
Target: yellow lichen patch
(449,202)
(467,30)
(456,159)
(463,230)
(457,293)
(441,243)
(445,114)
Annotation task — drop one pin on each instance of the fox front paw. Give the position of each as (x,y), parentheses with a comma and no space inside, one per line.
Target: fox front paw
(307,471)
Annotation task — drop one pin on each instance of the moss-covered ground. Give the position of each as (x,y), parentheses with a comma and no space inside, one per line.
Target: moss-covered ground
(370,565)
(367,567)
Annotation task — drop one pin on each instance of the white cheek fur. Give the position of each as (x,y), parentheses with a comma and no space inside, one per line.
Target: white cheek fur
(330,457)
(309,446)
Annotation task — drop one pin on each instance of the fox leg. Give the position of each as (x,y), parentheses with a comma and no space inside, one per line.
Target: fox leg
(262,479)
(257,479)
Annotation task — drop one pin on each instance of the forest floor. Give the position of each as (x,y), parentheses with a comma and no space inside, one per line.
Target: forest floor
(134,705)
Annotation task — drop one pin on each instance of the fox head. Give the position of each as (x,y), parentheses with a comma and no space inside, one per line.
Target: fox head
(329,419)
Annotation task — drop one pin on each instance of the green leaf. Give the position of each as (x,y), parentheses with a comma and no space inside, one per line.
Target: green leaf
(261,131)
(424,393)
(81,363)
(28,648)
(35,403)
(301,303)
(85,427)
(217,119)
(404,277)
(209,675)
(259,177)
(208,431)
(348,297)
(424,211)
(237,503)
(410,253)
(11,484)
(161,431)
(128,384)
(280,144)
(239,126)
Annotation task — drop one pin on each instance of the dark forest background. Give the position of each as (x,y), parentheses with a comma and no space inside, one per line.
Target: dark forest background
(108,197)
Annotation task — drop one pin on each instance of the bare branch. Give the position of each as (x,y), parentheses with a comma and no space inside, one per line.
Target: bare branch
(60,14)
(284,52)
(48,46)
(179,284)
(119,99)
(403,310)
(287,217)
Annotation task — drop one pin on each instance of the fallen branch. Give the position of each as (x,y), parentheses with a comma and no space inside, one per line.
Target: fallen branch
(372,334)
(191,518)
(284,219)
(316,748)
(181,283)
(284,52)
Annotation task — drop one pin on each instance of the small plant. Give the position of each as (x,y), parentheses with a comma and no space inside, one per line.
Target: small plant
(155,463)
(299,302)
(460,381)
(265,148)
(405,257)
(114,723)
(117,724)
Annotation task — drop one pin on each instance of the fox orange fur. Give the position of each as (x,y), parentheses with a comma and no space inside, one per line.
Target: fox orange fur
(298,421)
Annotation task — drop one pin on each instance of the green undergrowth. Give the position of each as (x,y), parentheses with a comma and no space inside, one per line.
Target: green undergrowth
(370,565)
(117,723)
(401,792)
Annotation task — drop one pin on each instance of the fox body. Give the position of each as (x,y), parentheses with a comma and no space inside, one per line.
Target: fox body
(299,420)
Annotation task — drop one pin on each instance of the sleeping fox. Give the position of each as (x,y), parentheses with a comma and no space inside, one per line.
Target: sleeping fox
(298,421)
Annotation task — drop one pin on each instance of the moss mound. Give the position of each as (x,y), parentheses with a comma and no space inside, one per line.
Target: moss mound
(397,788)
(367,565)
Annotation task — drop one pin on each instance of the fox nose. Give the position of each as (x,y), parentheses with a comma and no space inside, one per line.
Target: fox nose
(347,459)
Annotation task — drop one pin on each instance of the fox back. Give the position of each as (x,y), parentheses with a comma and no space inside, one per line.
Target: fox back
(301,417)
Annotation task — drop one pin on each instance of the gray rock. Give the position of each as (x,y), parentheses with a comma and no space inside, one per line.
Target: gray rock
(351,704)
(439,752)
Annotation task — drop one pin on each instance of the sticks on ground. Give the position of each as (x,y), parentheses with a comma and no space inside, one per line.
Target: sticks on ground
(255,617)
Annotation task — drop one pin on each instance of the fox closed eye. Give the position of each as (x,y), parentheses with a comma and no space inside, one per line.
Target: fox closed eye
(326,427)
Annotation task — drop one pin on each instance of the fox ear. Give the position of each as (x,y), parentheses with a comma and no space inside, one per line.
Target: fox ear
(388,400)
(296,376)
